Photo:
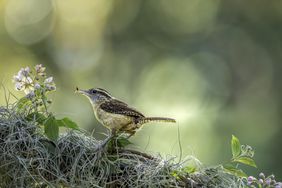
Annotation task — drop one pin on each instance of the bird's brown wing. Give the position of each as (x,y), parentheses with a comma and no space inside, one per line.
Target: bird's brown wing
(118,101)
(118,107)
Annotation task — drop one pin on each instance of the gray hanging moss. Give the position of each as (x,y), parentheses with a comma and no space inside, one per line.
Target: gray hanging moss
(29,159)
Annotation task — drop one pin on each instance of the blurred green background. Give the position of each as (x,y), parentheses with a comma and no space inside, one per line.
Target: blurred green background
(215,66)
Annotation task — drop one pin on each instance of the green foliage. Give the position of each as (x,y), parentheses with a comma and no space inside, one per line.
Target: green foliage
(123,142)
(23,103)
(68,123)
(235,146)
(37,117)
(241,154)
(246,161)
(234,171)
(119,142)
(51,124)
(184,171)
(189,169)
(51,128)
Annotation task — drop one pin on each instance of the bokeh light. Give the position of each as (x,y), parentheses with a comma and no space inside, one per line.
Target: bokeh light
(29,21)
(215,66)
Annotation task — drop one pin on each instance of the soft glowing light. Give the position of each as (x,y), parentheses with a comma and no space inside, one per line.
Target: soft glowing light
(29,21)
(182,17)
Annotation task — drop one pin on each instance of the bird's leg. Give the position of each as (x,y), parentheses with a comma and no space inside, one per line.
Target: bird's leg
(111,134)
(131,133)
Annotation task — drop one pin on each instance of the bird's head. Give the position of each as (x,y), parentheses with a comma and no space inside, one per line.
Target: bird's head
(95,95)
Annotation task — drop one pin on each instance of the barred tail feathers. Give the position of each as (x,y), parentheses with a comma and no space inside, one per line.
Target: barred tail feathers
(156,119)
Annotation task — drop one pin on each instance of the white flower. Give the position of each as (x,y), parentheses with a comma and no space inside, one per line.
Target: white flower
(19,86)
(24,71)
(30,95)
(24,84)
(40,69)
(49,84)
(21,81)
(20,73)
(37,86)
(17,78)
(27,90)
(27,80)
(48,80)
(50,87)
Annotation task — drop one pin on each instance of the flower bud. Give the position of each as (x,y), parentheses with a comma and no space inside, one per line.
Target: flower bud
(25,71)
(30,95)
(39,69)
(19,86)
(260,181)
(17,78)
(37,86)
(251,180)
(267,181)
(261,175)
(48,80)
(50,87)
(272,176)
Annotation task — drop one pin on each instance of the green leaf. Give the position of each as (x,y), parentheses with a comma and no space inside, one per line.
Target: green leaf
(175,174)
(189,169)
(246,161)
(122,142)
(66,122)
(23,102)
(49,145)
(234,171)
(51,128)
(36,116)
(235,146)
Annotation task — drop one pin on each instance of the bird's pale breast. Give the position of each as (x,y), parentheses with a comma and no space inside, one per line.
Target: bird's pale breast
(111,120)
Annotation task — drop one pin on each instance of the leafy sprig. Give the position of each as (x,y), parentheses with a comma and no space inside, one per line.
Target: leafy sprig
(241,154)
(36,86)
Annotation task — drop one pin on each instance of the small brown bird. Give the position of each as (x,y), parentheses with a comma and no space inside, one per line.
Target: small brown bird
(115,114)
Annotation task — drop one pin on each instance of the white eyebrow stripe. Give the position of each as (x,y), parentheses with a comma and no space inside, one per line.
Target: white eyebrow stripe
(100,90)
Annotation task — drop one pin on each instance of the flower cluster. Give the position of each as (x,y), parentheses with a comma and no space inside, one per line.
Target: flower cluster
(263,181)
(247,151)
(31,81)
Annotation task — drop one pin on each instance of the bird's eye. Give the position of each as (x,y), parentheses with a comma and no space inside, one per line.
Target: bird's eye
(93,91)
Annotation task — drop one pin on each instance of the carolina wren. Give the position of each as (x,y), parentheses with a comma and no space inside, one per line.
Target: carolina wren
(115,114)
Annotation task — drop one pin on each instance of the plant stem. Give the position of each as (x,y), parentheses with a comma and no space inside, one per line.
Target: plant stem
(44,103)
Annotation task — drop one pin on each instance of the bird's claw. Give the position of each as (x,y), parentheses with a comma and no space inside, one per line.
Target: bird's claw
(103,144)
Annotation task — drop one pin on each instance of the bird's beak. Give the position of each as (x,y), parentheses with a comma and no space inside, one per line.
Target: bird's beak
(81,91)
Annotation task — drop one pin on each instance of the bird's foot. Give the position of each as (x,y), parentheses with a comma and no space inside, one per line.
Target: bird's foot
(103,144)
(111,134)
